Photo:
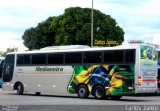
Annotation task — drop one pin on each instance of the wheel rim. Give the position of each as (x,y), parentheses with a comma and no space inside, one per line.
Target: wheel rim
(82,92)
(99,92)
(19,88)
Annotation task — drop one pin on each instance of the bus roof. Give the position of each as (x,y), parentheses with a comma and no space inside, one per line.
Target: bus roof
(49,50)
(65,47)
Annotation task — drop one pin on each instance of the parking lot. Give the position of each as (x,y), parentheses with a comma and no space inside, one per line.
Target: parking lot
(31,102)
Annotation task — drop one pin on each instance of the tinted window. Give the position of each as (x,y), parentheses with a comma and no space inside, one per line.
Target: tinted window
(108,56)
(158,57)
(73,58)
(9,59)
(23,59)
(20,59)
(27,59)
(92,57)
(129,55)
(118,56)
(39,59)
(55,58)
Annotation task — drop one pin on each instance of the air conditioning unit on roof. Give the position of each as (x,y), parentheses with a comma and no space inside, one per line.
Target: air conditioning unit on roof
(65,47)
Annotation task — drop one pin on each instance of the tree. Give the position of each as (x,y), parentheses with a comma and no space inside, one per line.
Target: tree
(3,53)
(74,27)
(40,36)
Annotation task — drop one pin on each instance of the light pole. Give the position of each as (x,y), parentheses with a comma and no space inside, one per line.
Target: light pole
(92,25)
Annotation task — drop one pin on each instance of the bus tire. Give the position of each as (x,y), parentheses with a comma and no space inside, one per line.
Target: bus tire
(98,92)
(20,89)
(82,91)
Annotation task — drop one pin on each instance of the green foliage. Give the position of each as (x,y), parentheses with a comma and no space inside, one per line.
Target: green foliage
(40,36)
(3,53)
(74,27)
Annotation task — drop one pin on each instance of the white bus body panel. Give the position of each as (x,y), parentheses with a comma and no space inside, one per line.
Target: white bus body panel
(42,81)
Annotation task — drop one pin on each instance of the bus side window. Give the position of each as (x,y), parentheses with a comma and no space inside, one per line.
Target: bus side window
(20,59)
(130,56)
(118,56)
(108,57)
(23,60)
(92,57)
(39,59)
(73,58)
(55,58)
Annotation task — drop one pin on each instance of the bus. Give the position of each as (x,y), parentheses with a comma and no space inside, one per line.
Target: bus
(99,71)
(158,51)
(1,67)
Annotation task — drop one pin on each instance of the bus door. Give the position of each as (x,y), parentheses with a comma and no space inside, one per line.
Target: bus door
(8,68)
(1,67)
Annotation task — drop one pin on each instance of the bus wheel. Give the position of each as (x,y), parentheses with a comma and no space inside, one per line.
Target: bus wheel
(99,92)
(38,93)
(116,97)
(20,89)
(82,91)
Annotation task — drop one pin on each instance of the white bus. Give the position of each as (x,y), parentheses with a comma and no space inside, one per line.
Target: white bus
(102,71)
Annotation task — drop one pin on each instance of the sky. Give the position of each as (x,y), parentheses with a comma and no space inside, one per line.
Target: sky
(140,19)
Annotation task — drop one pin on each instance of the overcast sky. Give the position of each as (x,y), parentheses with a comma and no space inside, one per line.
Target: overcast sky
(140,19)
